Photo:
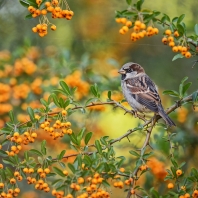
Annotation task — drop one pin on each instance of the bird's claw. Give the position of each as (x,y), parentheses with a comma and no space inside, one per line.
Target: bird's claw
(134,113)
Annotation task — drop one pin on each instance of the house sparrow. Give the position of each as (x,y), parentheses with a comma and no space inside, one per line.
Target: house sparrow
(140,91)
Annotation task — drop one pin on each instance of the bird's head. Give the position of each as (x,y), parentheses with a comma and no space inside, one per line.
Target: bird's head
(130,70)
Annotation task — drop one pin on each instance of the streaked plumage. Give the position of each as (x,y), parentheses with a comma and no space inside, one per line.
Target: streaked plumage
(140,91)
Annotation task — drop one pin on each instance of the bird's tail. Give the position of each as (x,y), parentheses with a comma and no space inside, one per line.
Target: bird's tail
(166,118)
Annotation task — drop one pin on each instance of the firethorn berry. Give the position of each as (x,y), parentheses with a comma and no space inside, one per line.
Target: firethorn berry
(175,49)
(176,33)
(12,181)
(164,40)
(47,170)
(132,191)
(121,31)
(43,12)
(168,32)
(179,172)
(138,23)
(65,172)
(181,196)
(31,170)
(81,180)
(1,185)
(16,174)
(128,24)
(123,20)
(40,170)
(156,31)
(64,112)
(170,185)
(184,49)
(125,28)
(142,26)
(187,195)
(179,48)
(122,170)
(47,4)
(170,39)
(34,135)
(118,20)
(1,166)
(188,55)
(17,190)
(16,134)
(171,44)
(25,170)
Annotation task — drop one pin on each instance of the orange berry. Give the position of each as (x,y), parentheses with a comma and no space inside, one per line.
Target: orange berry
(65,172)
(188,55)
(16,174)
(53,27)
(16,134)
(168,32)
(123,20)
(179,48)
(13,181)
(118,20)
(138,23)
(179,172)
(175,49)
(1,166)
(181,196)
(50,9)
(34,135)
(184,49)
(176,33)
(17,190)
(164,40)
(155,31)
(125,28)
(121,31)
(122,170)
(31,8)
(43,12)
(47,170)
(47,4)
(171,44)
(64,112)
(31,170)
(40,170)
(170,39)
(128,23)
(142,26)
(1,185)
(132,191)
(81,180)
(170,185)
(136,28)
(25,170)
(187,195)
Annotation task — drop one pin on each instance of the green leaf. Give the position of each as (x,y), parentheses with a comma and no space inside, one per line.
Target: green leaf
(73,138)
(65,88)
(109,95)
(29,16)
(139,4)
(186,87)
(8,161)
(167,17)
(88,137)
(55,99)
(23,3)
(58,171)
(174,19)
(196,29)
(177,56)
(11,116)
(194,96)
(181,29)
(43,147)
(98,146)
(31,114)
(26,156)
(71,167)
(134,153)
(80,135)
(174,163)
(182,164)
(171,93)
(61,155)
(36,152)
(3,153)
(43,102)
(180,18)
(129,2)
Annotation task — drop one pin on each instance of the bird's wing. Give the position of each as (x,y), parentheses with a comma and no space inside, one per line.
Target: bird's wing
(144,91)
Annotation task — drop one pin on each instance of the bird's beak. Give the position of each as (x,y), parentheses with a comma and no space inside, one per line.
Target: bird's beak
(122,72)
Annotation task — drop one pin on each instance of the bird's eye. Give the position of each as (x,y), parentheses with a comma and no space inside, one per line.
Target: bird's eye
(129,70)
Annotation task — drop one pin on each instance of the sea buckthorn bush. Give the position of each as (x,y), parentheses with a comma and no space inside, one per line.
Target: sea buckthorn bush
(52,104)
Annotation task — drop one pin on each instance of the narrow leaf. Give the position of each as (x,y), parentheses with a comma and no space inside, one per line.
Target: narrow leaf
(88,137)
(58,171)
(98,146)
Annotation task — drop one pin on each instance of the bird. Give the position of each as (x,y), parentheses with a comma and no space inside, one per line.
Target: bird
(141,92)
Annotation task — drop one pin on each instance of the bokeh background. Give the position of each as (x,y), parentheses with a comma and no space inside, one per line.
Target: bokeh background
(88,49)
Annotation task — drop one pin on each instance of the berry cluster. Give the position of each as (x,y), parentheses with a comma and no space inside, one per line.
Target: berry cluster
(59,129)
(42,185)
(139,29)
(56,11)
(170,40)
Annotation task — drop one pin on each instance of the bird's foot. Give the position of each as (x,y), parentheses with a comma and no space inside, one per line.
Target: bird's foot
(134,113)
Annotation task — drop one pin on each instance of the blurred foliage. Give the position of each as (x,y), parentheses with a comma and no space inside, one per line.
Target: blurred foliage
(89,50)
